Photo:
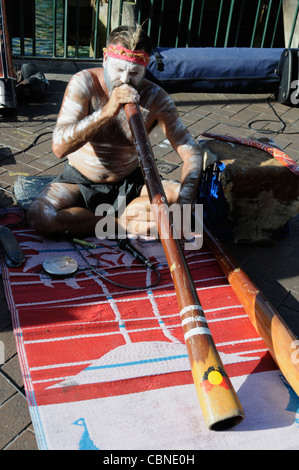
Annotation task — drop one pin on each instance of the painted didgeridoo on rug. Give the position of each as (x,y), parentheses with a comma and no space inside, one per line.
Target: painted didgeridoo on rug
(271,327)
(218,400)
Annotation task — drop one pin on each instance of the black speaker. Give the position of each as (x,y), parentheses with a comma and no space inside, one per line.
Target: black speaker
(288,71)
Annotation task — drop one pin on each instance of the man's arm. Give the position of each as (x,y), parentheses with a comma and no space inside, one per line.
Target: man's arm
(184,144)
(191,171)
(75,126)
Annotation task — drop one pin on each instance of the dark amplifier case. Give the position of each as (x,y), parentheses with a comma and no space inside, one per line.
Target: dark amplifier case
(288,71)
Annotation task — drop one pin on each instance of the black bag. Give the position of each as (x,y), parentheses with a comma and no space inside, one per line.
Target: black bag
(215,70)
(288,71)
(31,83)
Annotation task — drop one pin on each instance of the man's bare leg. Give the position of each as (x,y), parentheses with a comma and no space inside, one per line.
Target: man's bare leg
(138,217)
(58,211)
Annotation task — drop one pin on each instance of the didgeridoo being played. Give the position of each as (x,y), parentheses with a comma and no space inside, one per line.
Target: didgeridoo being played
(280,340)
(219,403)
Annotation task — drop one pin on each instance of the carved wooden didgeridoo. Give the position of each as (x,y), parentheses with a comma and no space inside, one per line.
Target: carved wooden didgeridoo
(219,403)
(280,340)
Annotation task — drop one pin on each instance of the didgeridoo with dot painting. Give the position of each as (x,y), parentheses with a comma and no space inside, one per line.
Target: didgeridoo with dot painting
(218,400)
(281,342)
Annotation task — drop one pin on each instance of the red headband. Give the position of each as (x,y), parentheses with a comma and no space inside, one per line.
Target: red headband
(120,52)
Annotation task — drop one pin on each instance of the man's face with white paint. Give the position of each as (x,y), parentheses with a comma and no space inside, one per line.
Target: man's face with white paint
(116,70)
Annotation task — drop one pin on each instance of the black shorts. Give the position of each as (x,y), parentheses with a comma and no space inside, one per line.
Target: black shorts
(104,193)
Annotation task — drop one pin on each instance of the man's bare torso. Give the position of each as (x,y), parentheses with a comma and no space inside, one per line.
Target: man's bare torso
(111,155)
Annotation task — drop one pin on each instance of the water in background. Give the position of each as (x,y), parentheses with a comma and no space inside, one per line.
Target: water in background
(44,34)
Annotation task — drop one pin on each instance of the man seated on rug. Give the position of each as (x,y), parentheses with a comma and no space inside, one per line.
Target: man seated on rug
(92,131)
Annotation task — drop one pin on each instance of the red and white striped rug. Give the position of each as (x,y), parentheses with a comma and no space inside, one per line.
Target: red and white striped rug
(106,367)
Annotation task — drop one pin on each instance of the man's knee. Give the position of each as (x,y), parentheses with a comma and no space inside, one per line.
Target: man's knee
(172,190)
(137,218)
(41,216)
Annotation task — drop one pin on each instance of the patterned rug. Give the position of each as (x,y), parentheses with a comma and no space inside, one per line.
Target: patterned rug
(106,367)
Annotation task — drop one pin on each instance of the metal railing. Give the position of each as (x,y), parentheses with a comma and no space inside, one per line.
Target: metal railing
(68,29)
